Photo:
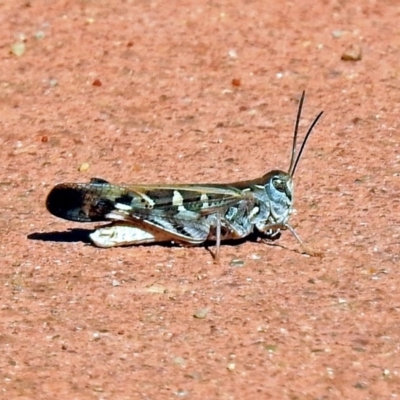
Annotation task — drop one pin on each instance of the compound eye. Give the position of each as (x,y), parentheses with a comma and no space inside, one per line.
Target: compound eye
(279,185)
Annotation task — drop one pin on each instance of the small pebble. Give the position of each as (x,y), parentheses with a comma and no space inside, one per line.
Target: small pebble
(271,348)
(97,82)
(182,393)
(179,361)
(83,167)
(232,53)
(18,49)
(237,263)
(231,366)
(352,53)
(39,35)
(53,82)
(337,33)
(156,289)
(236,82)
(201,313)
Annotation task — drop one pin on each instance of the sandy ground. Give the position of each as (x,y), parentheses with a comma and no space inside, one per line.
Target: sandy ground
(153,91)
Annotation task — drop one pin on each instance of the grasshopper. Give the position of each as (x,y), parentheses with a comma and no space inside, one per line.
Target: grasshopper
(186,214)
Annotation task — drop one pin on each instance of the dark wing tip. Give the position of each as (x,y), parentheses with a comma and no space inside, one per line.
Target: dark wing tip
(67,202)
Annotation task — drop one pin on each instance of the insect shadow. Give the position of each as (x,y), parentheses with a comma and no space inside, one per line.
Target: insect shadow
(70,236)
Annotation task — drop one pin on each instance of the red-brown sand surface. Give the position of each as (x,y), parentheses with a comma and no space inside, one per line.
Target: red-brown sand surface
(201,91)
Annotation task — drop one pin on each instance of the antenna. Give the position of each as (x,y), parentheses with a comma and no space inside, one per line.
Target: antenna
(294,160)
